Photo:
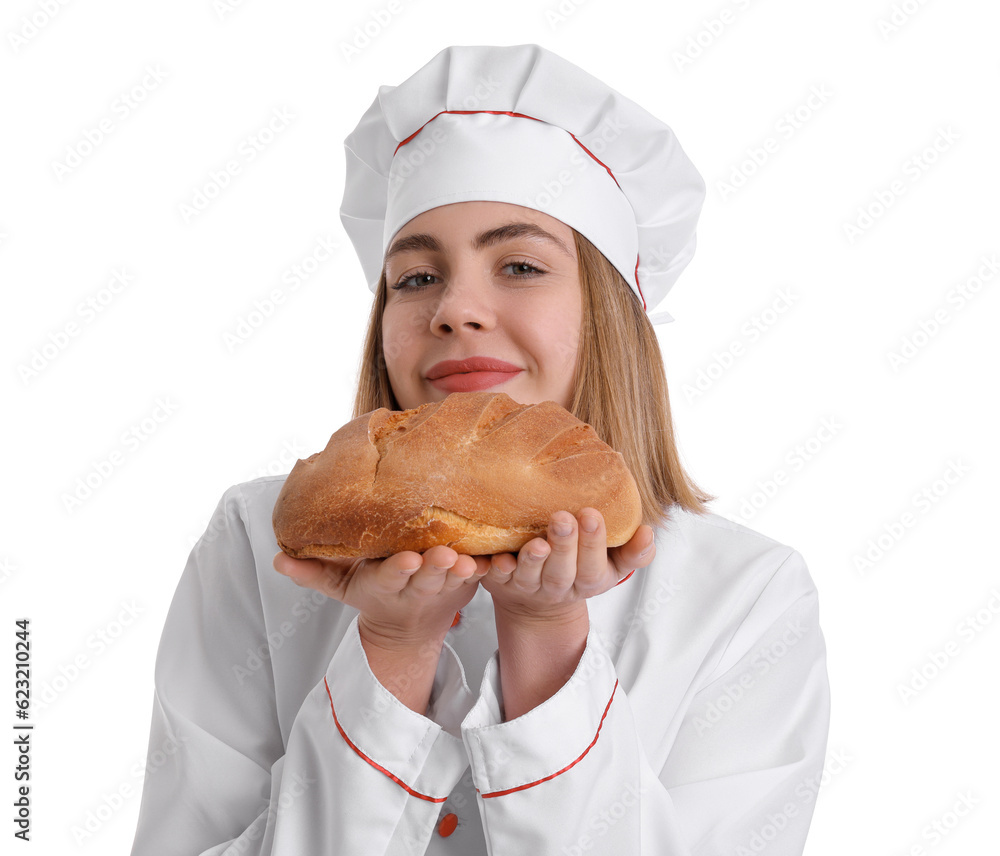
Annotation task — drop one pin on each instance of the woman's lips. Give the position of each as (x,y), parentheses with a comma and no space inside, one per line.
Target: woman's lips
(472,381)
(471,375)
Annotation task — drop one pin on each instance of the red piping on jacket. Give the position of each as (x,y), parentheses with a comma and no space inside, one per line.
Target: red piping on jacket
(525,116)
(381,769)
(564,769)
(624,578)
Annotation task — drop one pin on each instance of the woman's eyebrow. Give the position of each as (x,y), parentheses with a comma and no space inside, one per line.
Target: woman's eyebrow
(489,238)
(510,231)
(413,242)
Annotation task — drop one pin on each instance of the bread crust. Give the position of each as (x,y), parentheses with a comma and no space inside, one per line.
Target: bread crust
(477,472)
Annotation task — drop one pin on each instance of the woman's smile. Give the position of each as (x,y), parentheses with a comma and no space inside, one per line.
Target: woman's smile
(471,375)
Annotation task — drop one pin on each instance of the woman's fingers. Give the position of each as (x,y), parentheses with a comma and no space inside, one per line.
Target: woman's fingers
(330,577)
(560,566)
(592,553)
(335,577)
(294,569)
(440,569)
(502,567)
(483,565)
(443,569)
(638,552)
(308,573)
(465,570)
(529,565)
(574,555)
(393,574)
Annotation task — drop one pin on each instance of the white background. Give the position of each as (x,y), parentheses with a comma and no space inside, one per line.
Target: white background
(808,432)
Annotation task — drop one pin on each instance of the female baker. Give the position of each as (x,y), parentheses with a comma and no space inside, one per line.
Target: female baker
(516,219)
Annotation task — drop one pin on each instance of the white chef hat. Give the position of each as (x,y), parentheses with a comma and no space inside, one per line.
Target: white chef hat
(520,124)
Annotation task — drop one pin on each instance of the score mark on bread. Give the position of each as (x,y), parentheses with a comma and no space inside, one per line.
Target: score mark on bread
(476,471)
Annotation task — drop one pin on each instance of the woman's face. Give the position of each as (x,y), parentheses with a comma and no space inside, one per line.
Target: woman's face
(482,296)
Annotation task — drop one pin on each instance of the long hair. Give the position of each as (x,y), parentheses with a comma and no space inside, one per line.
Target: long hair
(621,385)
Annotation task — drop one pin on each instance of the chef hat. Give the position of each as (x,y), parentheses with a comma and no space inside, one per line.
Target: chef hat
(521,125)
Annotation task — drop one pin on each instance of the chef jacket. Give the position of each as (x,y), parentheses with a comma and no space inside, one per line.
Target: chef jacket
(696,721)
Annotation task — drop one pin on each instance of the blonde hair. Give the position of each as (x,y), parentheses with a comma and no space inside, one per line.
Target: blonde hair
(620,384)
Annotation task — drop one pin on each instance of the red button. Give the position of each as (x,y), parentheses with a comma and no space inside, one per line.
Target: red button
(458,617)
(448,824)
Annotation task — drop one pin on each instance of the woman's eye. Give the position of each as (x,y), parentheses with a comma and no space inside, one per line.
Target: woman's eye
(421,279)
(414,280)
(523,269)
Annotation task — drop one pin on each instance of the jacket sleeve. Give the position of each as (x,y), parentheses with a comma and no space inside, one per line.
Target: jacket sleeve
(359,773)
(573,776)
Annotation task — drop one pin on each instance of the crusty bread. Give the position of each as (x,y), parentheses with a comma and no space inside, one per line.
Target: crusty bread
(477,472)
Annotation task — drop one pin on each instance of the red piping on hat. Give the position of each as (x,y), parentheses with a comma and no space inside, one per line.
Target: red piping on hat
(525,116)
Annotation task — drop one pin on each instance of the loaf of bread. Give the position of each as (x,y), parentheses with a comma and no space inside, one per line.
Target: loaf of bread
(477,472)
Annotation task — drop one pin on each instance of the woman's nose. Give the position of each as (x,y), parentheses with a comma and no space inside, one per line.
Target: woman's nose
(464,305)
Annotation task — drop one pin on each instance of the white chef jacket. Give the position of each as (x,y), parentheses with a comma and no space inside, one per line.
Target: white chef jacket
(695,723)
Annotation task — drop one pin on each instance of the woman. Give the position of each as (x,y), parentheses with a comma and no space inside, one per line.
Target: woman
(549,702)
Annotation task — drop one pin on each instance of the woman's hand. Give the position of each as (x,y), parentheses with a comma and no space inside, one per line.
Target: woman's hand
(551,576)
(407,603)
(540,602)
(404,600)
